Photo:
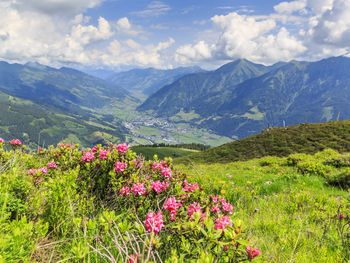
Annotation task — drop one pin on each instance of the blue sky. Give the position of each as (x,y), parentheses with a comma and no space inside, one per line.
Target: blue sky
(120,34)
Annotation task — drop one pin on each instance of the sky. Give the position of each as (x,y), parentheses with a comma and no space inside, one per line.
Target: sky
(117,34)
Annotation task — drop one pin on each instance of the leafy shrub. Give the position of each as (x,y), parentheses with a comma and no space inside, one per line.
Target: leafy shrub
(339,161)
(107,204)
(310,167)
(296,158)
(341,180)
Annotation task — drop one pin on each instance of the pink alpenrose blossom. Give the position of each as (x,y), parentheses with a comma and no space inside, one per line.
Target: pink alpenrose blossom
(43,170)
(88,157)
(222,222)
(138,189)
(252,252)
(103,155)
(52,165)
(15,142)
(166,172)
(159,187)
(125,191)
(172,206)
(120,167)
(226,206)
(32,171)
(122,148)
(189,188)
(154,222)
(193,208)
(2,140)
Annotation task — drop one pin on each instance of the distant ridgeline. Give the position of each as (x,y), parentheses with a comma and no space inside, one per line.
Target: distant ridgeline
(242,98)
(281,141)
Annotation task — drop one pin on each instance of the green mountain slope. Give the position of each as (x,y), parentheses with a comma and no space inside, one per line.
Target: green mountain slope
(302,138)
(64,88)
(245,104)
(41,125)
(203,92)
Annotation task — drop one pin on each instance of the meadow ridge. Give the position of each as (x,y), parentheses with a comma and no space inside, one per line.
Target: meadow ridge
(107,204)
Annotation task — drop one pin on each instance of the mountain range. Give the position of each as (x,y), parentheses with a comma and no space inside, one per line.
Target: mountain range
(236,100)
(243,98)
(144,82)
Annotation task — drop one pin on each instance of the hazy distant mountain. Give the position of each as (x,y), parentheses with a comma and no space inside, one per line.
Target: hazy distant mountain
(242,98)
(144,82)
(99,73)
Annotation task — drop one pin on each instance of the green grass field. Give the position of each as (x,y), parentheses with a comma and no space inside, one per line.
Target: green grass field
(280,141)
(288,211)
(162,152)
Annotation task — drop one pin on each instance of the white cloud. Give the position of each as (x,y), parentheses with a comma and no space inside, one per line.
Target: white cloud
(333,26)
(290,7)
(243,37)
(33,33)
(153,9)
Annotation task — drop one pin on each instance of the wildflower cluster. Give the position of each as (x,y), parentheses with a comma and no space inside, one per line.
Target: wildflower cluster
(153,199)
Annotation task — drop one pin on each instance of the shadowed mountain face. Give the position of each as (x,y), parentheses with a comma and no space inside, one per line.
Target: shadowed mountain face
(144,82)
(242,98)
(63,88)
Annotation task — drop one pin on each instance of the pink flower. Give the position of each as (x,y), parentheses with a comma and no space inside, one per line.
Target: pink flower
(214,198)
(159,187)
(94,149)
(52,165)
(166,172)
(189,187)
(158,166)
(120,167)
(88,157)
(43,170)
(2,140)
(226,206)
(122,148)
(15,142)
(124,191)
(103,154)
(252,252)
(193,208)
(32,171)
(154,222)
(172,205)
(222,222)
(215,209)
(138,189)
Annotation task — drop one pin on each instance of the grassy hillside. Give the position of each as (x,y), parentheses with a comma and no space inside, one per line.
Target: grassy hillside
(302,138)
(105,204)
(294,207)
(40,125)
(149,151)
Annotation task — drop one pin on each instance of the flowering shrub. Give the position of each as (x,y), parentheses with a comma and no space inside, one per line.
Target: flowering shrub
(136,210)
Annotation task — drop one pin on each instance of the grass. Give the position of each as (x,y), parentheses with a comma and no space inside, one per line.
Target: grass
(282,141)
(162,152)
(289,215)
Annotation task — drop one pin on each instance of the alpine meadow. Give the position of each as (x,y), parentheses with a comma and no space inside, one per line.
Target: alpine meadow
(175,131)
